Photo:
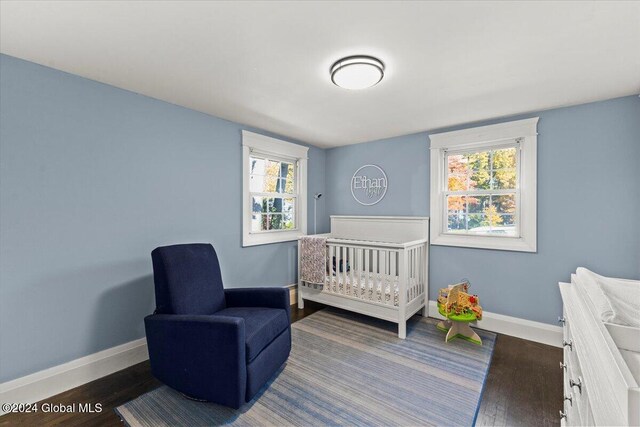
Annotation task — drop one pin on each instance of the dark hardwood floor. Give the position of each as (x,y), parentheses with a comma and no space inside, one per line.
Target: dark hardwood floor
(523,388)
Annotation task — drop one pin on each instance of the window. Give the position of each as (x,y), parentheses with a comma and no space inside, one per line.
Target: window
(481,194)
(483,187)
(274,190)
(273,194)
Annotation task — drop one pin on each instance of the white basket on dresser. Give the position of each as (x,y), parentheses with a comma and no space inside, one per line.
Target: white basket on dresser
(599,388)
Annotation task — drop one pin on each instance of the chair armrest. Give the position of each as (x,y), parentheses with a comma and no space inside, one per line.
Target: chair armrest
(202,356)
(258,297)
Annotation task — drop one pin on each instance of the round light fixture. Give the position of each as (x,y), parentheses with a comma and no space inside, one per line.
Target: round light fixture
(357,72)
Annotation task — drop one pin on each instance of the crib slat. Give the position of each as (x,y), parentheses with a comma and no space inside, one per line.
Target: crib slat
(425,271)
(376,255)
(354,266)
(344,270)
(414,283)
(420,271)
(375,260)
(393,265)
(421,257)
(380,275)
(338,263)
(383,299)
(418,265)
(419,280)
(351,261)
(374,276)
(392,276)
(425,267)
(383,276)
(337,269)
(410,276)
(330,261)
(337,272)
(386,262)
(360,270)
(387,277)
(367,277)
(331,272)
(412,266)
(423,263)
(370,255)
(390,282)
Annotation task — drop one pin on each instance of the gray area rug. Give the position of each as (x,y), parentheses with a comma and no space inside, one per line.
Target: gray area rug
(347,370)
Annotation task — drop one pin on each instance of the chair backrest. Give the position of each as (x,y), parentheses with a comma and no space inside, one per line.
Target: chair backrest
(187,279)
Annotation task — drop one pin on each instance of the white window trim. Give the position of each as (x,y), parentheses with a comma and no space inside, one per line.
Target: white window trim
(478,138)
(271,146)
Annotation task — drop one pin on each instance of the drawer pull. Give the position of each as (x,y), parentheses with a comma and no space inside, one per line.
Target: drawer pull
(568,344)
(569,398)
(562,320)
(563,365)
(563,415)
(578,384)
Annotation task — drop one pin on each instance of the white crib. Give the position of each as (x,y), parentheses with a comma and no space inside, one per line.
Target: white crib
(387,274)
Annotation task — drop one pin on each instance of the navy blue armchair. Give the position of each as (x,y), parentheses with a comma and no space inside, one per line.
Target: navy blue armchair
(207,342)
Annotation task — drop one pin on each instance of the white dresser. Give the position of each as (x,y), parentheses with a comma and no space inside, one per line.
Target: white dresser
(599,388)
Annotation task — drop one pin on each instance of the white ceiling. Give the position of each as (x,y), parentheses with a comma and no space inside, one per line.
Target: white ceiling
(267,64)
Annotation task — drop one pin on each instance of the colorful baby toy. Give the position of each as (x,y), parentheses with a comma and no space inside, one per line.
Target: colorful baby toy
(459,308)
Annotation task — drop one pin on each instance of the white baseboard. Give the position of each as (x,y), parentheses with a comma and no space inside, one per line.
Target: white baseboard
(514,326)
(49,382)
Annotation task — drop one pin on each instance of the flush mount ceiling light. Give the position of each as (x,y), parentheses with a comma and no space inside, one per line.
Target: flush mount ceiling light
(357,72)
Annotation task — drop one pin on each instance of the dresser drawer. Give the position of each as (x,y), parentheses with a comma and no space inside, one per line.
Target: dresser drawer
(573,407)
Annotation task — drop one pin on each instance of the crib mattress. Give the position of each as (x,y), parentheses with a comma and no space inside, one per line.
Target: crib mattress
(370,287)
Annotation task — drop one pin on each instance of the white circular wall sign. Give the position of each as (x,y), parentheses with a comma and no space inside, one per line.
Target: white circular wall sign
(369,185)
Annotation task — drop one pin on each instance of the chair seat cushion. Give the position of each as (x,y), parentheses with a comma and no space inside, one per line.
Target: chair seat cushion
(262,326)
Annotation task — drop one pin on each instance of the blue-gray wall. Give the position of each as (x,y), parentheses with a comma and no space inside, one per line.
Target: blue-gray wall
(92,179)
(588,205)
